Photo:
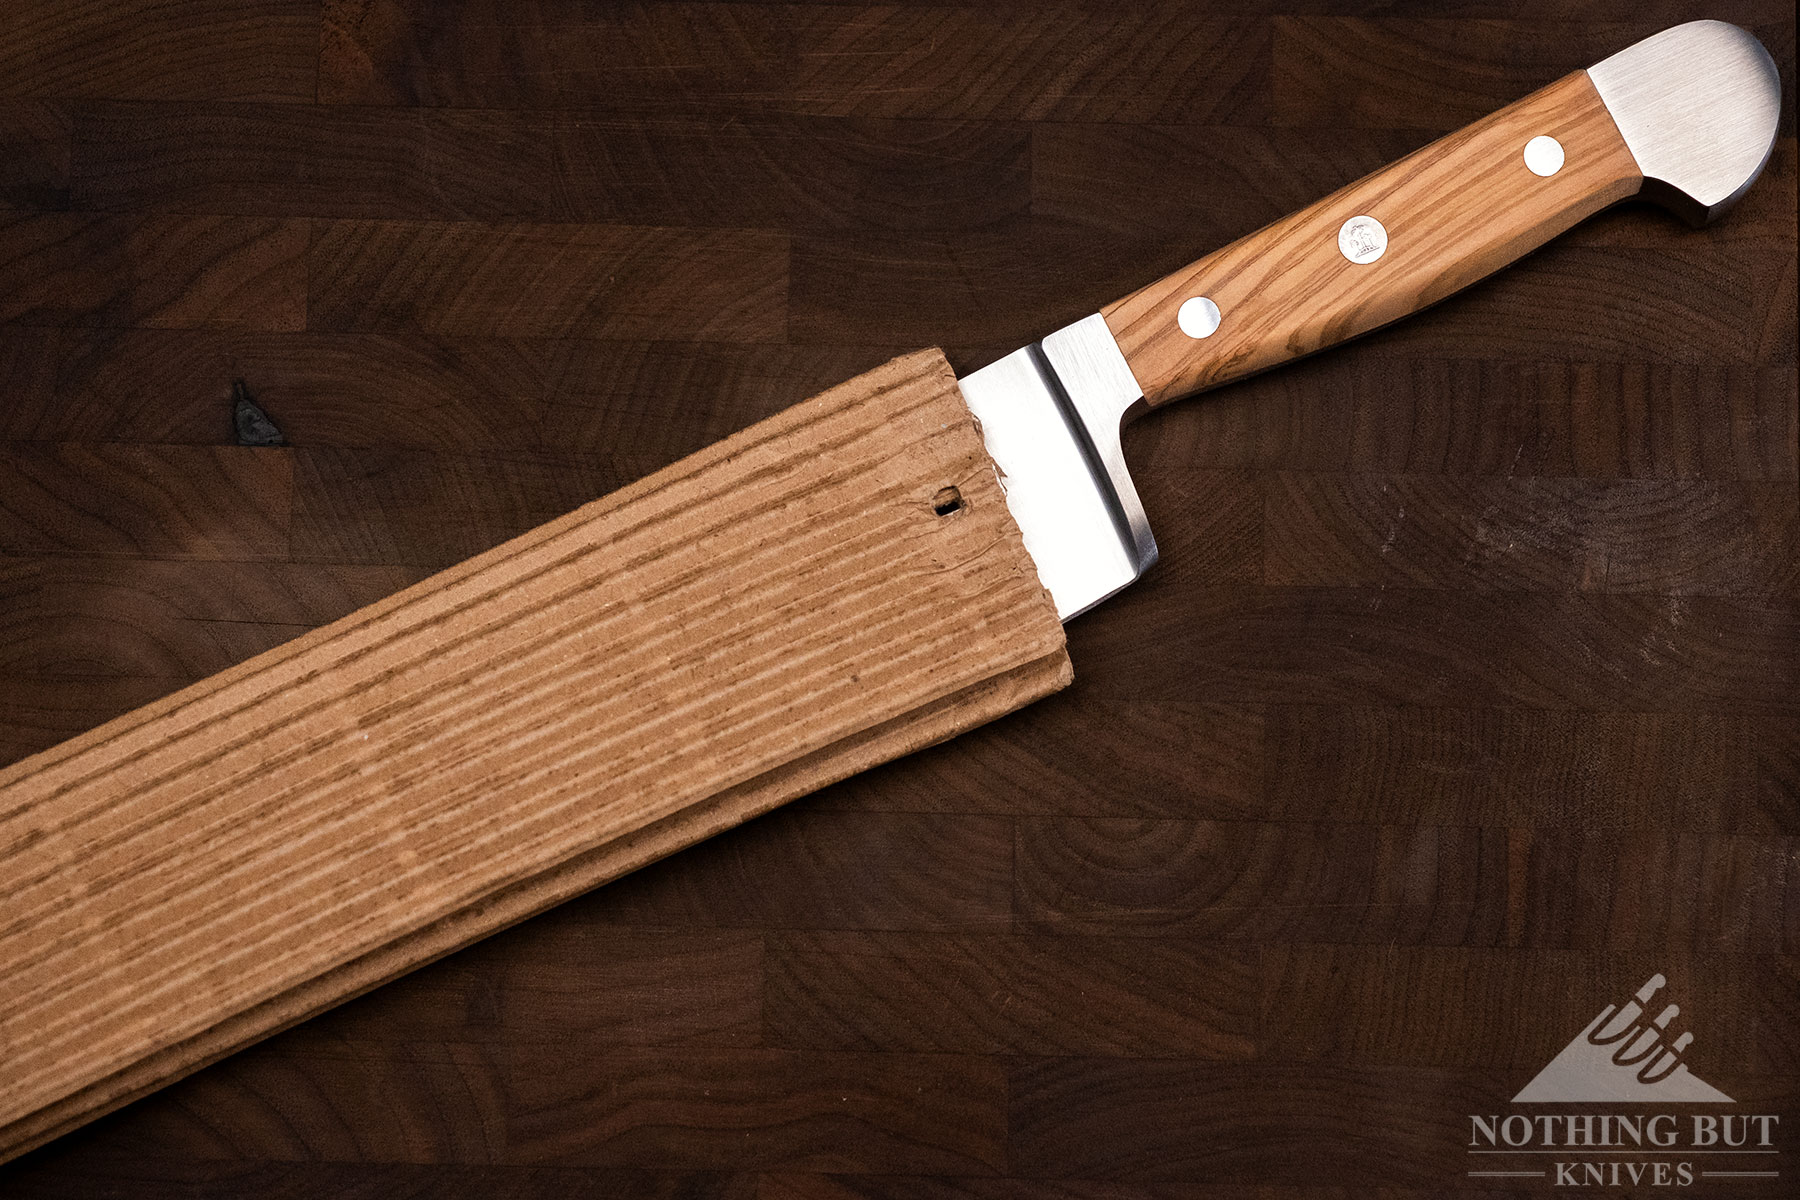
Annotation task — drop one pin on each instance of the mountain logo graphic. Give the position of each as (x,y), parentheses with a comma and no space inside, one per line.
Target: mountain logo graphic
(1623,1055)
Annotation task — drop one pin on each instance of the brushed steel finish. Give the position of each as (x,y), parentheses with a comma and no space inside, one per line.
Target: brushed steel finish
(1050,415)
(1362,239)
(1544,155)
(1698,106)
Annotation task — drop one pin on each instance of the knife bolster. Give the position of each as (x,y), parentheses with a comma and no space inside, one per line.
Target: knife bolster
(767,616)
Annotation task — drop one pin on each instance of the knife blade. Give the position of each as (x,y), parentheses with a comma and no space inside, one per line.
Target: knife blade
(1686,118)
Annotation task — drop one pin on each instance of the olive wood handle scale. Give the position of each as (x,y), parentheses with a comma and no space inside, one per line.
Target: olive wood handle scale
(834,587)
(1381,248)
(1686,117)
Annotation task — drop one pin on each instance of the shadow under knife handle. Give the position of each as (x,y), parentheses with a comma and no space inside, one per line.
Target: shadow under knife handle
(1687,117)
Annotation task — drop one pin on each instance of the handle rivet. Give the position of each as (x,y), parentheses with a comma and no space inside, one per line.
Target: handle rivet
(1362,239)
(1198,317)
(1544,155)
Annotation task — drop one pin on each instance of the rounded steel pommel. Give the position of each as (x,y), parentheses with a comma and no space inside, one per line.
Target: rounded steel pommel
(1698,106)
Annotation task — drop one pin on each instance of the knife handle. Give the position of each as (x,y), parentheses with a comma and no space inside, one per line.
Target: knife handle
(1381,248)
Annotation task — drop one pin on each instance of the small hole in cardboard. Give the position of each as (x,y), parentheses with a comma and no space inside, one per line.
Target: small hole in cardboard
(947,501)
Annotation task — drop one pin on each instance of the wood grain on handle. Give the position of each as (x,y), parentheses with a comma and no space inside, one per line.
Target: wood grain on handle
(1454,212)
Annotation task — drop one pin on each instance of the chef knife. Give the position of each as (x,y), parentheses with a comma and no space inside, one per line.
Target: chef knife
(880,567)
(1686,118)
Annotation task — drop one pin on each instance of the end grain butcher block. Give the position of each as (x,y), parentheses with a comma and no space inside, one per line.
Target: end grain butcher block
(828,589)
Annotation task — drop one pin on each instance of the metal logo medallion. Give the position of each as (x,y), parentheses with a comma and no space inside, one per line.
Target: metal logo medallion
(1362,239)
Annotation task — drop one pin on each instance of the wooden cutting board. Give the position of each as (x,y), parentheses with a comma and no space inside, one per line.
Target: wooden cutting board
(828,589)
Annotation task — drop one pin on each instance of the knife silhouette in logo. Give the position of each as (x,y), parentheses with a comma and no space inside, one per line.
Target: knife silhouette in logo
(1624,1054)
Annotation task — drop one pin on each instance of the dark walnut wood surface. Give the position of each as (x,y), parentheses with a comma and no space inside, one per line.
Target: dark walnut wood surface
(1464,700)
